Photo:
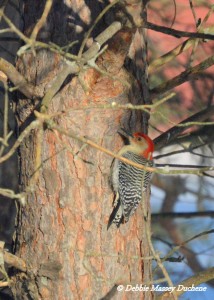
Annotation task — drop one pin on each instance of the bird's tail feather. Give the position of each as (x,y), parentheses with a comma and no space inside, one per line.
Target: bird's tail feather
(116,216)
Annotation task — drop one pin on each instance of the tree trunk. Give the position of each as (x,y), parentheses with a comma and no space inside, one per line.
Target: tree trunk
(62,230)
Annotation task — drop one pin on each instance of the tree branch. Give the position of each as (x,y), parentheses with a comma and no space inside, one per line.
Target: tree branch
(23,135)
(188,74)
(14,261)
(170,135)
(52,125)
(195,280)
(165,215)
(42,20)
(176,248)
(18,80)
(177,33)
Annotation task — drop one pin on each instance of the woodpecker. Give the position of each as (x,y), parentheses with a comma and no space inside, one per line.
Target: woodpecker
(129,182)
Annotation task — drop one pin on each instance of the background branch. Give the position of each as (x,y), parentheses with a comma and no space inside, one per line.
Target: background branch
(170,135)
(165,215)
(177,33)
(197,279)
(188,74)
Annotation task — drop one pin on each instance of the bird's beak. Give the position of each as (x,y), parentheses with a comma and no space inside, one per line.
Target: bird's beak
(125,133)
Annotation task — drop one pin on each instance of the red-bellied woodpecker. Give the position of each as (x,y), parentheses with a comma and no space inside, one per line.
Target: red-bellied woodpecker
(129,182)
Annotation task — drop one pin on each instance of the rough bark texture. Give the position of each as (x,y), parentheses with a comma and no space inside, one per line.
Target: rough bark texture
(62,231)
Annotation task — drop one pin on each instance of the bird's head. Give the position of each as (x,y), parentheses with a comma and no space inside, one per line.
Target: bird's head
(143,143)
(140,144)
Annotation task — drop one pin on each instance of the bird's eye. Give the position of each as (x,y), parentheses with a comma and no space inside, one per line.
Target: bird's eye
(139,139)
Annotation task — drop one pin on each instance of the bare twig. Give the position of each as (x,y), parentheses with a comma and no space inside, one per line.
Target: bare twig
(170,135)
(165,215)
(177,33)
(18,80)
(23,135)
(154,253)
(176,248)
(181,166)
(10,194)
(4,284)
(6,104)
(13,27)
(101,39)
(199,29)
(52,125)
(14,261)
(188,74)
(47,119)
(5,140)
(73,68)
(103,12)
(42,20)
(70,67)
(5,121)
(160,61)
(114,105)
(201,277)
(193,12)
(57,83)
(3,272)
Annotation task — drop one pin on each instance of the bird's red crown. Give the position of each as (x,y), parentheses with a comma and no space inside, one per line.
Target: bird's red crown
(150,149)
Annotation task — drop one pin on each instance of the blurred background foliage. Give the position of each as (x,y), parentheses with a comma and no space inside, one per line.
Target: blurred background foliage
(187,193)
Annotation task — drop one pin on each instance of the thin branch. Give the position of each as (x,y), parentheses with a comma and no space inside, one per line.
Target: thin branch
(3,272)
(181,166)
(167,57)
(51,46)
(10,194)
(18,80)
(73,67)
(188,74)
(4,284)
(115,105)
(165,215)
(23,135)
(52,125)
(11,260)
(57,83)
(193,12)
(177,33)
(6,107)
(6,135)
(103,12)
(5,140)
(13,27)
(170,135)
(196,236)
(185,150)
(154,253)
(14,261)
(201,277)
(176,248)
(101,39)
(180,48)
(42,20)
